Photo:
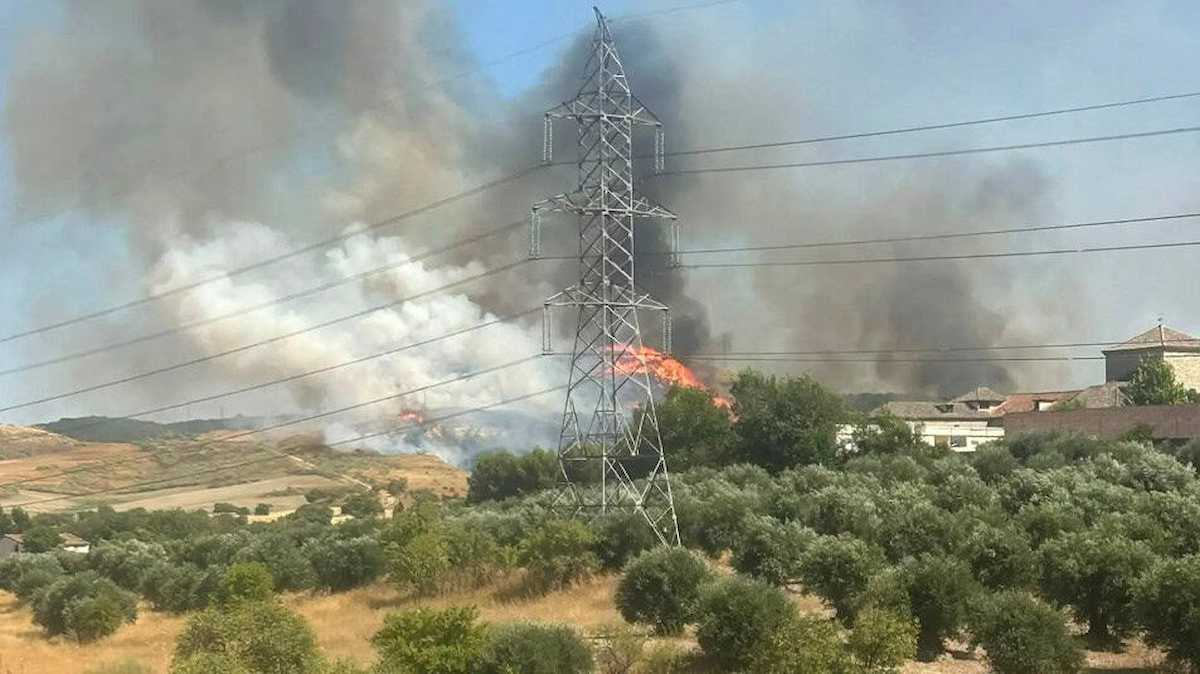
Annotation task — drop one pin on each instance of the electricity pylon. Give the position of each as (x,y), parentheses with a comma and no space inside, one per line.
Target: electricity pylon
(599,440)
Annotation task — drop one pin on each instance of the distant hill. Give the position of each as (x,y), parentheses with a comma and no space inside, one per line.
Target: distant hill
(117,429)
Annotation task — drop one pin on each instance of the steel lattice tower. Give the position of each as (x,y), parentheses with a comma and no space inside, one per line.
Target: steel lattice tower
(598,436)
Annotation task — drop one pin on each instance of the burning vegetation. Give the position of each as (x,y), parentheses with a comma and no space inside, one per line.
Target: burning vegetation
(666,369)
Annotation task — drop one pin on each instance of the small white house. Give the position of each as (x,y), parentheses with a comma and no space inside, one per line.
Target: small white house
(11,544)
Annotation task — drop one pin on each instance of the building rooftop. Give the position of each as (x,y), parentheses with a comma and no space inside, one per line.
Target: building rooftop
(1158,337)
(980,394)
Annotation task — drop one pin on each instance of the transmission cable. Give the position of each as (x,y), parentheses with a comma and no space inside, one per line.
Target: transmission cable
(937,258)
(290,378)
(263,305)
(932,237)
(289,422)
(277,258)
(531,169)
(140,485)
(926,155)
(271,340)
(935,127)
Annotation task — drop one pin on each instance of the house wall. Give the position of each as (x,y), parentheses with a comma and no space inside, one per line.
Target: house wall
(960,436)
(1167,422)
(1186,367)
(1119,365)
(8,547)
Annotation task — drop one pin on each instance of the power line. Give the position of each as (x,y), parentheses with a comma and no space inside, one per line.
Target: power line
(935,349)
(140,485)
(936,258)
(311,129)
(798,359)
(925,155)
(285,424)
(277,258)
(263,305)
(937,126)
(509,226)
(933,237)
(271,340)
(532,169)
(294,377)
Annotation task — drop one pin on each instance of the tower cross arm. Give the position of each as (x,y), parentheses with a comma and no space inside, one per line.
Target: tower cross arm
(584,107)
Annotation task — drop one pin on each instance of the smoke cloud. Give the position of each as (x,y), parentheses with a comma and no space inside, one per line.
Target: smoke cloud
(139,115)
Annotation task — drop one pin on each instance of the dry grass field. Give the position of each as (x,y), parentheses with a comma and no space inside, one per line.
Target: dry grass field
(345,622)
(196,473)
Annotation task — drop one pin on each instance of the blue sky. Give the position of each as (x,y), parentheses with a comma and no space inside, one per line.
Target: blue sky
(499,28)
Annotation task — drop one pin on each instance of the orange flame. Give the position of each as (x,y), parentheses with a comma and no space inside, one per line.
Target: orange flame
(410,416)
(646,360)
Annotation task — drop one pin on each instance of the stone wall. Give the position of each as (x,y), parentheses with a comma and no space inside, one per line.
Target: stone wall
(1168,422)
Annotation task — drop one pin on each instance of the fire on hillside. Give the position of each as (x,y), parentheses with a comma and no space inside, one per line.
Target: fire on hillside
(666,369)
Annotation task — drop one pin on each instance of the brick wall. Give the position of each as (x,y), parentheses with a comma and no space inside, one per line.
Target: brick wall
(1167,421)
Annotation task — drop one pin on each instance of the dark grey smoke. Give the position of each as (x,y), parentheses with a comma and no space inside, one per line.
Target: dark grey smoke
(358,111)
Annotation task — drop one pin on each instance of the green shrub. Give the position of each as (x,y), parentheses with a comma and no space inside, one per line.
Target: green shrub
(557,554)
(344,563)
(247,581)
(262,509)
(937,590)
(801,644)
(621,536)
(475,556)
(263,637)
(771,550)
(421,564)
(837,569)
(993,462)
(209,663)
(1168,608)
(431,641)
(661,588)
(362,505)
(535,649)
(738,617)
(27,574)
(1001,557)
(179,588)
(85,606)
(499,475)
(1093,573)
(787,422)
(125,562)
(290,569)
(41,539)
(229,508)
(881,641)
(1023,635)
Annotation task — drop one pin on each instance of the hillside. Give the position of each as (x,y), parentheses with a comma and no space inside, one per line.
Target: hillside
(115,429)
(24,441)
(196,472)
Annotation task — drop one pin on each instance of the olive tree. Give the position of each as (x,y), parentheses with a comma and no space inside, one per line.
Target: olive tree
(661,588)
